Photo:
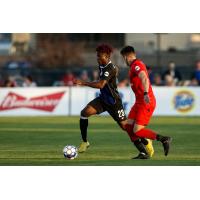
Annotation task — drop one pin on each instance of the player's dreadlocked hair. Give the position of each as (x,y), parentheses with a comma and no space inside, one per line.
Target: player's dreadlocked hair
(104,48)
(127,49)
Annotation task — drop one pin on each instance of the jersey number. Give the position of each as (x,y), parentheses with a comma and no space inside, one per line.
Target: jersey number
(121,113)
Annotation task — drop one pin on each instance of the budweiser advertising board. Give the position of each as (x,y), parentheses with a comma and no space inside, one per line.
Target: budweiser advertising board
(34,101)
(173,101)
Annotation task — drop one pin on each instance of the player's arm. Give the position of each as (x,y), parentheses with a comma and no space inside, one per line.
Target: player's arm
(144,79)
(96,84)
(145,82)
(104,79)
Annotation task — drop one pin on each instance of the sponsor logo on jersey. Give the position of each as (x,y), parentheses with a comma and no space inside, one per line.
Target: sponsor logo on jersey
(137,68)
(45,103)
(106,74)
(184,101)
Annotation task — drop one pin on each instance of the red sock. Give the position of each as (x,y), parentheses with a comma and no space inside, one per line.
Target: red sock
(146,133)
(129,130)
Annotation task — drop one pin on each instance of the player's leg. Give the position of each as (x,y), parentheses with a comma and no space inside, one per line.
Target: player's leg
(142,119)
(92,108)
(85,113)
(118,114)
(143,132)
(147,143)
(128,127)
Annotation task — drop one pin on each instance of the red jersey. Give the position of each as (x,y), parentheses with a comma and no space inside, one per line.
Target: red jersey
(136,67)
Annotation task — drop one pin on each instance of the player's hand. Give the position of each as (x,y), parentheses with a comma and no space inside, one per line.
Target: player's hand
(146,99)
(78,82)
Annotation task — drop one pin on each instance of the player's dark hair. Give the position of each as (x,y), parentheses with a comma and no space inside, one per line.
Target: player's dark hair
(127,49)
(104,48)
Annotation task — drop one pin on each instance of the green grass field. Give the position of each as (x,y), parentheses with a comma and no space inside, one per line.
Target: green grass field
(40,140)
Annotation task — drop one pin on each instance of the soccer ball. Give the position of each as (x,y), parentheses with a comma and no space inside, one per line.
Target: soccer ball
(70,152)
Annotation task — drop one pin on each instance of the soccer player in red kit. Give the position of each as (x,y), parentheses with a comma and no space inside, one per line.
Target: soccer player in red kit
(141,112)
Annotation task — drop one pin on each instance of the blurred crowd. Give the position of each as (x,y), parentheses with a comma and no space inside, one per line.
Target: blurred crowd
(173,77)
(18,81)
(170,77)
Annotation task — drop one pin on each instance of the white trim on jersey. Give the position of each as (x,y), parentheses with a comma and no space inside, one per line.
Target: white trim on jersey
(106,65)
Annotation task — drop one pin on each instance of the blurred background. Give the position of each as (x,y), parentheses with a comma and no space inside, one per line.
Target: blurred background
(38,59)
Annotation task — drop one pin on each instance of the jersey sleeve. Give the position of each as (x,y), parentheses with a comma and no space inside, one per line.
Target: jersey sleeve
(108,74)
(137,68)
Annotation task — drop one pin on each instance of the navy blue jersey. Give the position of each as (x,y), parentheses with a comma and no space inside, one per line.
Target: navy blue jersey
(109,93)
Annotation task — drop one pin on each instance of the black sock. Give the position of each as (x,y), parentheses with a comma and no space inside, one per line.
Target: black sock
(144,141)
(140,146)
(83,127)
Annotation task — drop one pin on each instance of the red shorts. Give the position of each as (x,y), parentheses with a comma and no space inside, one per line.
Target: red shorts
(141,113)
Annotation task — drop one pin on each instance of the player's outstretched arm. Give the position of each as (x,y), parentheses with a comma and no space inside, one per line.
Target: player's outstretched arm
(145,83)
(96,84)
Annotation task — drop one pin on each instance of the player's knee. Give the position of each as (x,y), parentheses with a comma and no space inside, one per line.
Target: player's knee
(83,113)
(86,112)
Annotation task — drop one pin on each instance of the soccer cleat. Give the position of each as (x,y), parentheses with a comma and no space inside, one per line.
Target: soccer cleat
(166,144)
(141,156)
(149,148)
(83,147)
